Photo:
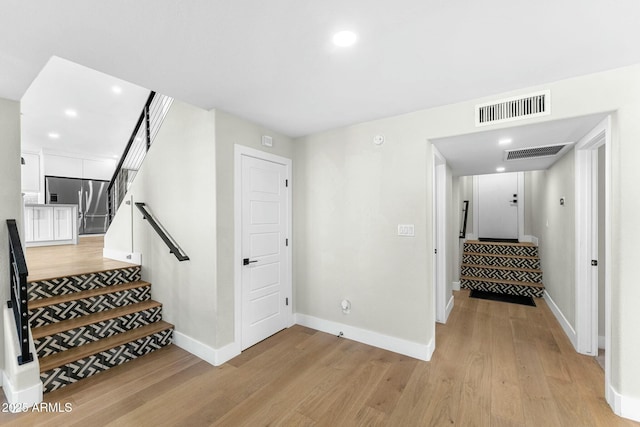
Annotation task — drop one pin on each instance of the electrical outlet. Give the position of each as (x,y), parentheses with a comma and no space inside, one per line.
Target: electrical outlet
(407,230)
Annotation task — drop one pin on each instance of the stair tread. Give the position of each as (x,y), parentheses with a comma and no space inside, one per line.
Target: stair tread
(510,282)
(478,242)
(89,319)
(86,294)
(59,359)
(497,267)
(500,255)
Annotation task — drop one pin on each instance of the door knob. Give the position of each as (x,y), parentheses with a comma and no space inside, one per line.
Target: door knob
(247,262)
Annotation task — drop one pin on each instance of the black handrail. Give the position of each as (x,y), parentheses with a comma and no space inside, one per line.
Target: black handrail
(173,248)
(465,209)
(18,281)
(144,117)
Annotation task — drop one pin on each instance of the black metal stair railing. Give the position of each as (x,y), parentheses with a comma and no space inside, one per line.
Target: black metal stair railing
(173,246)
(18,281)
(144,132)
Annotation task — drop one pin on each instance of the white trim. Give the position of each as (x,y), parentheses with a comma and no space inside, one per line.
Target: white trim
(455,286)
(471,236)
(564,323)
(26,397)
(476,209)
(216,357)
(130,257)
(521,207)
(375,339)
(601,341)
(440,234)
(449,306)
(529,238)
(239,151)
(623,406)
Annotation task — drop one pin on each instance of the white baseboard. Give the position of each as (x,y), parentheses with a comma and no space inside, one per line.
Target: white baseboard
(624,406)
(130,257)
(566,326)
(455,286)
(216,357)
(528,238)
(601,342)
(26,397)
(397,345)
(448,309)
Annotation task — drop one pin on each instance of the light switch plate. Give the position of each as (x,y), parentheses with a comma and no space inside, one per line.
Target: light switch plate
(407,230)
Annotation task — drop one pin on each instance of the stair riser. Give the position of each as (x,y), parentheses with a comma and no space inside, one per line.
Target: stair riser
(70,310)
(62,341)
(498,261)
(490,273)
(502,288)
(83,282)
(501,249)
(84,368)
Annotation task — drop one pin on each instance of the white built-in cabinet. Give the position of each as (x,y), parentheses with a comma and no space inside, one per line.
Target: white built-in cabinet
(50,225)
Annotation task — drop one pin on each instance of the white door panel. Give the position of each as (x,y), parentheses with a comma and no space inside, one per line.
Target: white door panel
(497,211)
(264,227)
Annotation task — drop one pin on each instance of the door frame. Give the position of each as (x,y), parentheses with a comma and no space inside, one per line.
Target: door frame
(586,249)
(521,208)
(440,237)
(239,152)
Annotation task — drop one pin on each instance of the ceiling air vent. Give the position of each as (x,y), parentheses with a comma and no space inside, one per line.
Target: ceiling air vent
(517,108)
(535,152)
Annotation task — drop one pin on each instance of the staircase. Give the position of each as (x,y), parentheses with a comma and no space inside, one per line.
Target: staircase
(506,268)
(85,324)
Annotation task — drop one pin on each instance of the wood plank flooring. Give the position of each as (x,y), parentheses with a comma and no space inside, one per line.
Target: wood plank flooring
(50,262)
(496,364)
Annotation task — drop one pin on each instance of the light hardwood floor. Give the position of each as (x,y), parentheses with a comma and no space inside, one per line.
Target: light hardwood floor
(496,364)
(50,262)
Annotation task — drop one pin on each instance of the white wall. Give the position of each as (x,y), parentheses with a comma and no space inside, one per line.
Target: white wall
(231,130)
(178,183)
(10,205)
(554,226)
(349,197)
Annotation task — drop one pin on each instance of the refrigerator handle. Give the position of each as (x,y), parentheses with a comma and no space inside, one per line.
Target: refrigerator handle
(80,205)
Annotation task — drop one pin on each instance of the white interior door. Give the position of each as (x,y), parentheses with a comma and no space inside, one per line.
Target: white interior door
(265,287)
(498,206)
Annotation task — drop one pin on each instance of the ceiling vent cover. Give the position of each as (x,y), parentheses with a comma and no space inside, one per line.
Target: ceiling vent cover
(535,152)
(517,108)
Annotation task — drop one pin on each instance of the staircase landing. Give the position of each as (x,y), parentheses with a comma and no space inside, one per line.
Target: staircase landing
(50,262)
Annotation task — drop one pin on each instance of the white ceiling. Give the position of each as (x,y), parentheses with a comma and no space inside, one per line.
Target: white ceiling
(104,120)
(272,61)
(480,153)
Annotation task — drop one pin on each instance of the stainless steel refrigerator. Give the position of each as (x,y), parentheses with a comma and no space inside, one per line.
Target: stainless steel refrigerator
(89,194)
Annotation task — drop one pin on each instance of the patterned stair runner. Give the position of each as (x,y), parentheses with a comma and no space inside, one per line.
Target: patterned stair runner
(508,268)
(85,324)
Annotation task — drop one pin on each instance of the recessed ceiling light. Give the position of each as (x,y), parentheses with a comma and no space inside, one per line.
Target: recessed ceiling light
(54,135)
(344,38)
(70,113)
(500,169)
(505,141)
(116,89)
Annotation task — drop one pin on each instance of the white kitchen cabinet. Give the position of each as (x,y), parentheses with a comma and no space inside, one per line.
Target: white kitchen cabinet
(42,224)
(62,223)
(50,225)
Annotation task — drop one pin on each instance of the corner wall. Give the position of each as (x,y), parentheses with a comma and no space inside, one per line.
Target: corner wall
(177,182)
